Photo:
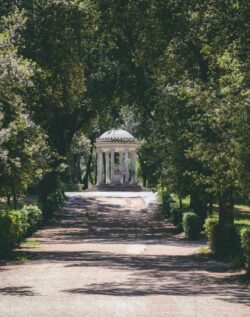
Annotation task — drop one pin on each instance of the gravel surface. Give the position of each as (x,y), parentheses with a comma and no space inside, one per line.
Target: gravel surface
(110,255)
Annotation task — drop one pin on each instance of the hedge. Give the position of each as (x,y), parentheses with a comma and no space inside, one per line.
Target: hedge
(223,241)
(191,224)
(245,246)
(15,225)
(34,218)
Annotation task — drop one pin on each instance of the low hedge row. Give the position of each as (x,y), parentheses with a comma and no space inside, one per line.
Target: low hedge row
(227,241)
(15,225)
(224,240)
(245,246)
(186,220)
(191,224)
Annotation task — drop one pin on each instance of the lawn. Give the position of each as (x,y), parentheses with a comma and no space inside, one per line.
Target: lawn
(25,200)
(242,212)
(241,216)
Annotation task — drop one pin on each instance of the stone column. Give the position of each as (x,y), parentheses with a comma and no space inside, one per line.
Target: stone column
(121,165)
(99,167)
(107,167)
(134,175)
(112,163)
(126,167)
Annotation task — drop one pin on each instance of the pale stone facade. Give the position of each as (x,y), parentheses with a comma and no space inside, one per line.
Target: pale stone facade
(116,158)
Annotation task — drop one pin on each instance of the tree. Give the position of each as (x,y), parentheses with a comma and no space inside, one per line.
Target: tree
(24,151)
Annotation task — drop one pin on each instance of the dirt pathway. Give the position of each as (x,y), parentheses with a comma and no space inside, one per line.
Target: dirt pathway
(108,256)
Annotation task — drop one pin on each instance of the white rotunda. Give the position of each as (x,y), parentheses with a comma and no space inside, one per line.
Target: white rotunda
(116,158)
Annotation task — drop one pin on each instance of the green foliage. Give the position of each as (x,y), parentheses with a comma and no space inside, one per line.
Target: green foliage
(166,201)
(211,230)
(223,240)
(70,187)
(15,225)
(23,144)
(80,150)
(67,64)
(176,214)
(52,202)
(191,224)
(8,237)
(34,218)
(245,245)
(150,164)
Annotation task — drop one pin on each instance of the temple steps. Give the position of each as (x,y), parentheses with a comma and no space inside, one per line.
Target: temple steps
(118,188)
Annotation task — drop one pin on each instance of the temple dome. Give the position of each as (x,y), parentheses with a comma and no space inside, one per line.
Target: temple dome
(117,135)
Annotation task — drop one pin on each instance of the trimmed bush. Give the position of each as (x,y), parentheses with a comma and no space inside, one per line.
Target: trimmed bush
(34,218)
(211,230)
(176,216)
(15,225)
(8,236)
(245,246)
(224,241)
(191,224)
(52,202)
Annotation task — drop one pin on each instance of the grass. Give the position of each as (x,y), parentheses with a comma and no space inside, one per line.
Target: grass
(31,244)
(29,199)
(241,216)
(185,201)
(204,251)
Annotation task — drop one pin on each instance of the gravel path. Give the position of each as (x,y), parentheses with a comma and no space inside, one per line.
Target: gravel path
(108,255)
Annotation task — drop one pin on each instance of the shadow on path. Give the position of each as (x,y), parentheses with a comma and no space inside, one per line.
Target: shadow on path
(94,221)
(17,291)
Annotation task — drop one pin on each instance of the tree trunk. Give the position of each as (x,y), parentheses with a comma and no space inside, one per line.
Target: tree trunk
(15,199)
(226,209)
(75,168)
(78,169)
(88,168)
(199,206)
(180,201)
(8,200)
(210,207)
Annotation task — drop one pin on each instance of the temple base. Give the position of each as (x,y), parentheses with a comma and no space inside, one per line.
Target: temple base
(118,188)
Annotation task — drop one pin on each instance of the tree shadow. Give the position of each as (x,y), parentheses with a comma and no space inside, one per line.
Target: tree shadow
(17,291)
(91,219)
(179,285)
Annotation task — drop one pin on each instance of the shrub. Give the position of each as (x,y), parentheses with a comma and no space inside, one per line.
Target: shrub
(176,216)
(52,202)
(166,201)
(245,246)
(191,224)
(19,224)
(8,236)
(15,225)
(224,241)
(34,217)
(211,230)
